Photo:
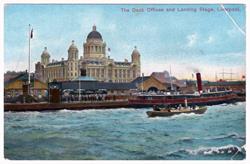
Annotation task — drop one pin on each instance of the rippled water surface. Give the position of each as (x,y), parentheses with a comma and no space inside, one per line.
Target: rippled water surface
(126,134)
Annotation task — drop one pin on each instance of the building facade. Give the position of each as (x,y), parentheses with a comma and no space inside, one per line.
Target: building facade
(158,81)
(13,87)
(95,61)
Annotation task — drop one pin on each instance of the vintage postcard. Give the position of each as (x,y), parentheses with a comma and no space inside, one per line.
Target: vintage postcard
(124,81)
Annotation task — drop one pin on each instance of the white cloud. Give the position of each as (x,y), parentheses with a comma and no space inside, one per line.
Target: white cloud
(192,40)
(210,40)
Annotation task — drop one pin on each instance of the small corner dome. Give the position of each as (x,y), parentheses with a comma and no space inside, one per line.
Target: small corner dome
(45,52)
(135,51)
(72,46)
(94,34)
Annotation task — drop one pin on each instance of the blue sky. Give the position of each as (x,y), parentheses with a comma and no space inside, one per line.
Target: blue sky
(188,41)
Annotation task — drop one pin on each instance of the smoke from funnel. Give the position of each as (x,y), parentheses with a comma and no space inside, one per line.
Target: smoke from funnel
(193,69)
(196,70)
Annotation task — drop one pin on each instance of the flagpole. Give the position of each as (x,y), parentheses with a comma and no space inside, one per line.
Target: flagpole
(142,81)
(171,85)
(29,62)
(79,83)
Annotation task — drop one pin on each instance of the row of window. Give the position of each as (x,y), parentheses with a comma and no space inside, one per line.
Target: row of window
(99,73)
(122,80)
(71,74)
(122,73)
(45,60)
(58,73)
(73,55)
(95,72)
(118,73)
(72,65)
(89,49)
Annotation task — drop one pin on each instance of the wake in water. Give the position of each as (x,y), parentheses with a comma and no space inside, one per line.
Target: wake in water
(98,110)
(186,115)
(228,149)
(232,151)
(177,116)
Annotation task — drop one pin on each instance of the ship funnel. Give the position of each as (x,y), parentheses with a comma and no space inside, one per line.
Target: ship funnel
(199,82)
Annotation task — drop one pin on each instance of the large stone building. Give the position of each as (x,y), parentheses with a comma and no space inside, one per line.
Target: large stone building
(94,60)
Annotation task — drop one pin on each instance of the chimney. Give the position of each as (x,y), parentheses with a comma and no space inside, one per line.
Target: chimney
(83,72)
(199,82)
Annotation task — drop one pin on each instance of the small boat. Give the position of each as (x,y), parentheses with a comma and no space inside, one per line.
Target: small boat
(168,111)
(161,112)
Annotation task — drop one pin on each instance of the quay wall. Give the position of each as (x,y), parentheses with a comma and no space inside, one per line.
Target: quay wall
(99,105)
(69,106)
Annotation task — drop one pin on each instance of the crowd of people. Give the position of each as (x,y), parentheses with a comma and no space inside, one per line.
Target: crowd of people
(90,97)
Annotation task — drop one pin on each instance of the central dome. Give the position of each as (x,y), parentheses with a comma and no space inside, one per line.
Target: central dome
(94,34)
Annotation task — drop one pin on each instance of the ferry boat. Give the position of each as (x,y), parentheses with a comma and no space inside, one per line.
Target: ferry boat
(165,112)
(212,98)
(199,97)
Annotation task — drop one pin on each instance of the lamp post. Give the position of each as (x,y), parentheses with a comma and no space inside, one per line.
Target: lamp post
(79,84)
(30,37)
(171,84)
(142,81)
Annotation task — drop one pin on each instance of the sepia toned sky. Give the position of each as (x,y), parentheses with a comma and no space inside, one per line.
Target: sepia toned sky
(188,38)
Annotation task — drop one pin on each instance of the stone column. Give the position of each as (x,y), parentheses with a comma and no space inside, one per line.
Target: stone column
(89,71)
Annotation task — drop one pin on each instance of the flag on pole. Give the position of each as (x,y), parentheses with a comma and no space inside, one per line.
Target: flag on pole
(31,33)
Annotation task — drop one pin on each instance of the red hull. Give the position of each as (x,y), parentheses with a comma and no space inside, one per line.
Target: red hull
(173,101)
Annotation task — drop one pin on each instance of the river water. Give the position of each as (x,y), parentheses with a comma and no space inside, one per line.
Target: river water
(120,134)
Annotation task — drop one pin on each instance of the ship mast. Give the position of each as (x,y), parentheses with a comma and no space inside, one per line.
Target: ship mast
(227,73)
(171,84)
(79,83)
(142,81)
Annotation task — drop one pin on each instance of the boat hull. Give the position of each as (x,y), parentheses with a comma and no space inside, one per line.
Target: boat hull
(166,113)
(149,101)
